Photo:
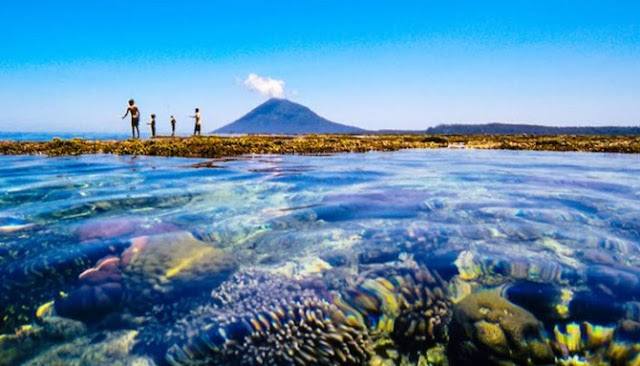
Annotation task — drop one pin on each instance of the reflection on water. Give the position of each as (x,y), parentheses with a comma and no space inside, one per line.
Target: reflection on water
(415,257)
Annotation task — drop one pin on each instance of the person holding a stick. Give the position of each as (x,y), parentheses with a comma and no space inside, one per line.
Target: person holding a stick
(197,130)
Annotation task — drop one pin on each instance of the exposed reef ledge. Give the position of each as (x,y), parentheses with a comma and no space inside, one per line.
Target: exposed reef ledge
(215,147)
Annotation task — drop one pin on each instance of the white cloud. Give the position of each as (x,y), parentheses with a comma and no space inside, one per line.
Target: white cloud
(265,86)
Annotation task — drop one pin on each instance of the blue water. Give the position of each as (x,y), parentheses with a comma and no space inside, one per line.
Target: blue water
(557,233)
(48,136)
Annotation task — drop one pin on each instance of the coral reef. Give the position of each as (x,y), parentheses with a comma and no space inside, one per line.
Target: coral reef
(405,307)
(35,267)
(486,329)
(154,269)
(497,268)
(578,339)
(425,311)
(27,281)
(30,339)
(589,344)
(214,146)
(173,264)
(392,314)
(107,348)
(277,322)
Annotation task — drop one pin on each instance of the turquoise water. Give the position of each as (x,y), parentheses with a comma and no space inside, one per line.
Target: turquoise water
(157,261)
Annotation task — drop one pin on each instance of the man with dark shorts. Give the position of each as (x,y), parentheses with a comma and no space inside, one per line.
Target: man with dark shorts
(173,126)
(135,118)
(153,125)
(198,128)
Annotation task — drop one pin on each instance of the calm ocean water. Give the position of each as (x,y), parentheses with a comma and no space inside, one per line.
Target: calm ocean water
(393,258)
(47,136)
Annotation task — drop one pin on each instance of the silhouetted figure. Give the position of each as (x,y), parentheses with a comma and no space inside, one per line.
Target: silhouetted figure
(135,118)
(173,126)
(153,125)
(197,130)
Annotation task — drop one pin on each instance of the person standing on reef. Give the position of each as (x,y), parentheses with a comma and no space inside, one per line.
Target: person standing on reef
(173,126)
(197,130)
(153,125)
(135,118)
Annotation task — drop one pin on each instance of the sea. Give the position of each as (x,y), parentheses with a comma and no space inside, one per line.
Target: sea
(414,257)
(48,136)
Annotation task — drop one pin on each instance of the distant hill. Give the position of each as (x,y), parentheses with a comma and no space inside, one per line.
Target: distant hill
(518,129)
(281,116)
(399,132)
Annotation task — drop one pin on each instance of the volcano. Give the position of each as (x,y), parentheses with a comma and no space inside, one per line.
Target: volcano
(282,116)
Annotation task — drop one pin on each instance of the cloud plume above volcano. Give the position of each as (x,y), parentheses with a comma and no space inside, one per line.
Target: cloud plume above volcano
(269,87)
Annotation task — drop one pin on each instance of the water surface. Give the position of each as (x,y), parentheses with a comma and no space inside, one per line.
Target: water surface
(556,234)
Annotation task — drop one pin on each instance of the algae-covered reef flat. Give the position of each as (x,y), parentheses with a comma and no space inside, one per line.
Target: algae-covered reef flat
(215,146)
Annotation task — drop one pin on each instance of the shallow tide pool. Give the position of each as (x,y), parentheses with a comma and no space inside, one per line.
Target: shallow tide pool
(425,257)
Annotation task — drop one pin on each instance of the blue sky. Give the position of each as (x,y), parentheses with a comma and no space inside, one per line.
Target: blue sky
(72,65)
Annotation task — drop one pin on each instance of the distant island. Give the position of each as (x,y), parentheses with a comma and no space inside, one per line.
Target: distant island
(520,129)
(282,116)
(516,129)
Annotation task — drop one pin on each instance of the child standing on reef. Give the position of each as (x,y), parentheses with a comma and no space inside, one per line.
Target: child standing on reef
(135,118)
(153,125)
(198,128)
(173,126)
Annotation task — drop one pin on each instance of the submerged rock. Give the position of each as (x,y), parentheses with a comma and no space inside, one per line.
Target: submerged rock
(398,204)
(616,282)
